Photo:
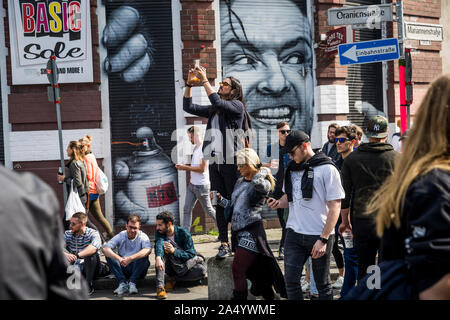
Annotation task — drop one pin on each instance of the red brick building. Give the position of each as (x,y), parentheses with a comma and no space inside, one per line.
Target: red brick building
(276,48)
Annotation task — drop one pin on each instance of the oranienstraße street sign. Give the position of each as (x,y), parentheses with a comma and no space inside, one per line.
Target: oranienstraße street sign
(368,51)
(360,14)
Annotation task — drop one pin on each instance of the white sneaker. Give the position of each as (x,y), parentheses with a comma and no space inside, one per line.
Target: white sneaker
(121,289)
(338,283)
(132,288)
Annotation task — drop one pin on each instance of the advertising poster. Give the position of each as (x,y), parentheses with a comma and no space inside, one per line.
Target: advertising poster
(40,29)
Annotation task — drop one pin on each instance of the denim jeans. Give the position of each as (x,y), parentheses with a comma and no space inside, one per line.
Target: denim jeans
(134,271)
(298,249)
(351,270)
(312,283)
(194,193)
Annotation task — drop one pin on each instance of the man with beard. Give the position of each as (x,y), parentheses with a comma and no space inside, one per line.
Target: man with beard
(225,115)
(329,148)
(267,45)
(175,255)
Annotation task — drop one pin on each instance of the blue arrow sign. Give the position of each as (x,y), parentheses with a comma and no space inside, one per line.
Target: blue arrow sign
(368,51)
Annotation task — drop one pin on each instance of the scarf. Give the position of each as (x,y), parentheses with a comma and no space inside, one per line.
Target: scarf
(317,160)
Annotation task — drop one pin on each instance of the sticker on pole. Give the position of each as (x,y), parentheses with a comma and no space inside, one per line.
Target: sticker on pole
(368,51)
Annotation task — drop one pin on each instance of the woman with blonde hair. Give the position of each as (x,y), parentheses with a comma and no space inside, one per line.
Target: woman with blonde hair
(77,173)
(413,205)
(94,201)
(253,258)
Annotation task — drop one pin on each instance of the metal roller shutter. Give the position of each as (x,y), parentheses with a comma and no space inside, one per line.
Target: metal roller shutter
(143,117)
(364,81)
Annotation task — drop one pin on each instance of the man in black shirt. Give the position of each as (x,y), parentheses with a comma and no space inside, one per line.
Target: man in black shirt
(363,172)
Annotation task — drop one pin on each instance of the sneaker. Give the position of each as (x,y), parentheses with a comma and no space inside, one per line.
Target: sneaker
(224,250)
(161,293)
(304,284)
(121,289)
(338,283)
(91,289)
(132,288)
(170,284)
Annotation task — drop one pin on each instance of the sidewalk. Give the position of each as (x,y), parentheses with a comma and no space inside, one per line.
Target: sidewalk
(207,246)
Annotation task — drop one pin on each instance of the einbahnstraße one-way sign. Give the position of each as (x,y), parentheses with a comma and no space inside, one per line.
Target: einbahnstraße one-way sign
(368,51)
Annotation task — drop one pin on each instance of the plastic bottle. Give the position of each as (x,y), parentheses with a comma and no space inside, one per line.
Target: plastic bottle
(348,239)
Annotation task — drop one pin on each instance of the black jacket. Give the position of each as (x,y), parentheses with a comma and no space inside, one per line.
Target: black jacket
(230,112)
(333,154)
(425,227)
(32,263)
(363,172)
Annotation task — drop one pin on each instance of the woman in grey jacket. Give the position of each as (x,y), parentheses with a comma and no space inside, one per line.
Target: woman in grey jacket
(253,258)
(77,172)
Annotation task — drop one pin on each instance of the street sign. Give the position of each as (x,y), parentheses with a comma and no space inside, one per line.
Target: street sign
(360,14)
(368,51)
(336,37)
(52,71)
(423,31)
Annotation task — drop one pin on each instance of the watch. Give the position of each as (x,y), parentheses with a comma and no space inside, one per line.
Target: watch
(76,255)
(188,85)
(324,241)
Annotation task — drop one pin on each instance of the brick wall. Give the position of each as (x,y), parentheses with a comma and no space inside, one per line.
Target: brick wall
(28,105)
(426,60)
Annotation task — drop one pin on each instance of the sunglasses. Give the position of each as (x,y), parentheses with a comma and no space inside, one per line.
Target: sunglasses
(285,131)
(224,84)
(341,140)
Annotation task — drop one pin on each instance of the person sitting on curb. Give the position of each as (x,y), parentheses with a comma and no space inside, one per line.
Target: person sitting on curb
(175,255)
(82,246)
(131,261)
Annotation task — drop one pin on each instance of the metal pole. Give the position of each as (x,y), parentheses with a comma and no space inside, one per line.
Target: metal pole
(61,149)
(401,67)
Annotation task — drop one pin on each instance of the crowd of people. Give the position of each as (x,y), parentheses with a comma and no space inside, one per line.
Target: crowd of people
(385,208)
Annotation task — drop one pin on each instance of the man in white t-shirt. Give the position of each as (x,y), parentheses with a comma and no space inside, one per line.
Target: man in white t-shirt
(313,193)
(199,186)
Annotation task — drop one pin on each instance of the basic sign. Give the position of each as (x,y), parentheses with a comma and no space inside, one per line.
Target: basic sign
(52,18)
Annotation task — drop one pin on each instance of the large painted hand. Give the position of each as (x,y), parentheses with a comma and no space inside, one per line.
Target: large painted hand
(129,51)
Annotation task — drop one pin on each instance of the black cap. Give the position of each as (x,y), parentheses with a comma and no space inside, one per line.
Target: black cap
(295,138)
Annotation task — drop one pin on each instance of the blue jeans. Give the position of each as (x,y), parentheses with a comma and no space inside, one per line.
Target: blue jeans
(297,249)
(351,270)
(134,271)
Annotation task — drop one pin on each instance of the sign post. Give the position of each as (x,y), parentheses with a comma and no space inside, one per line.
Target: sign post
(52,75)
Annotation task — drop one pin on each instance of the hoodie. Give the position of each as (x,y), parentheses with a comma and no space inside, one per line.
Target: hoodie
(363,172)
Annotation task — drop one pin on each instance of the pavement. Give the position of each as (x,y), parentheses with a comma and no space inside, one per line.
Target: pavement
(205,244)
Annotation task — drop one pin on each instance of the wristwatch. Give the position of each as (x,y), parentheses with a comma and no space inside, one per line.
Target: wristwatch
(324,241)
(76,255)
(188,85)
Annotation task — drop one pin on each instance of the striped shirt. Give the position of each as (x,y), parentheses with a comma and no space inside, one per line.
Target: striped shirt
(76,243)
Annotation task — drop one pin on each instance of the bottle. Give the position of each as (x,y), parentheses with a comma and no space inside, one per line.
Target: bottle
(348,239)
(61,173)
(196,64)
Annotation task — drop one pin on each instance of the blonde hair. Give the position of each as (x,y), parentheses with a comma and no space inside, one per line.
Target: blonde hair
(77,150)
(249,157)
(86,141)
(426,148)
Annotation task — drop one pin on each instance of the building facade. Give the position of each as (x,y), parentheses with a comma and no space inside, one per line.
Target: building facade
(132,59)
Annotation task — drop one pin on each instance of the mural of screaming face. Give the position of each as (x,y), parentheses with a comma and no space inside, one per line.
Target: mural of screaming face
(267,45)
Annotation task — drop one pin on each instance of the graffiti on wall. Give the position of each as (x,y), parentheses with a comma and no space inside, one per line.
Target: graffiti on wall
(139,63)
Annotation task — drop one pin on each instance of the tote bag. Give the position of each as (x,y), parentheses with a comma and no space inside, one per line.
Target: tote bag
(74,203)
(101,182)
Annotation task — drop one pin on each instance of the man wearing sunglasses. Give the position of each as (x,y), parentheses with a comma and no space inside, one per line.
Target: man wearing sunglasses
(313,193)
(226,115)
(279,165)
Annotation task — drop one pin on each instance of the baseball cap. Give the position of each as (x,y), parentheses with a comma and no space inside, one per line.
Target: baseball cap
(295,138)
(377,127)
